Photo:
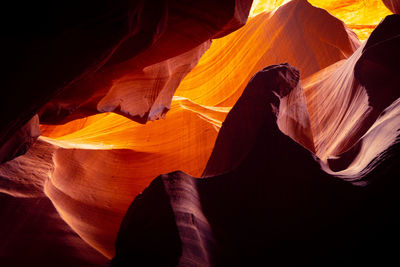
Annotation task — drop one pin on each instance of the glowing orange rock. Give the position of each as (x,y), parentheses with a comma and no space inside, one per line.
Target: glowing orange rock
(97,164)
(275,201)
(99,63)
(285,35)
(139,82)
(361,16)
(101,154)
(141,94)
(111,159)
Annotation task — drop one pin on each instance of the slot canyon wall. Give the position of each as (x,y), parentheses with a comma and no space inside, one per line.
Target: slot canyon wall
(217,133)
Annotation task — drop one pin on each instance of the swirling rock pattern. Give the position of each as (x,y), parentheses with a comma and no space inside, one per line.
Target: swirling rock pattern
(285,35)
(134,154)
(92,165)
(361,16)
(262,210)
(82,59)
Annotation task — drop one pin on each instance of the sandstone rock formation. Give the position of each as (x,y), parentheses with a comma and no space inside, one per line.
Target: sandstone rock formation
(284,35)
(361,16)
(264,191)
(370,98)
(21,140)
(393,5)
(276,202)
(32,231)
(231,149)
(33,234)
(299,210)
(141,85)
(103,51)
(134,154)
(82,58)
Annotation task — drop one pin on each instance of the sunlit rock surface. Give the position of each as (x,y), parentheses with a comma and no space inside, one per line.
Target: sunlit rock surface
(259,210)
(362,92)
(134,154)
(82,61)
(140,94)
(140,84)
(275,202)
(91,167)
(285,35)
(362,16)
(48,49)
(114,164)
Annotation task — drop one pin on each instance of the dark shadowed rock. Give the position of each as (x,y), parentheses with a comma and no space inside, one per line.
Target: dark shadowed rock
(140,83)
(50,46)
(33,234)
(55,50)
(276,207)
(235,140)
(378,68)
(21,140)
(148,235)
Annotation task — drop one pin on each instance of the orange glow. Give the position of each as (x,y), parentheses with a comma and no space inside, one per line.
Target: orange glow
(112,159)
(361,16)
(104,161)
(269,38)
